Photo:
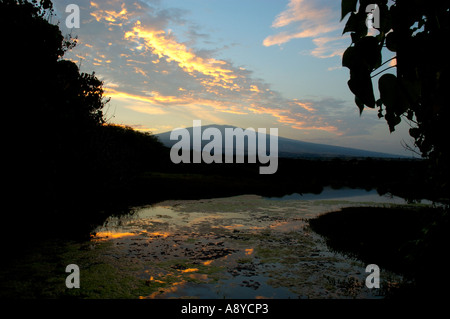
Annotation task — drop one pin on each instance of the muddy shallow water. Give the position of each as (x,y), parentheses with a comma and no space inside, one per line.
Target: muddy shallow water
(238,247)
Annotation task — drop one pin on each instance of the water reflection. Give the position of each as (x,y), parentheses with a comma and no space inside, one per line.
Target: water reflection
(238,247)
(347,194)
(105,235)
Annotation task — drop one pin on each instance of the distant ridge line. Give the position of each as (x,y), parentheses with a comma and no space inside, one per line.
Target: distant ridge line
(290,148)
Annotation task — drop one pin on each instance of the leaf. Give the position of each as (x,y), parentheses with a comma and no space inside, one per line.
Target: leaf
(352,24)
(392,120)
(360,84)
(355,37)
(357,24)
(360,105)
(414,132)
(410,115)
(370,51)
(391,42)
(347,6)
(390,96)
(388,87)
(350,57)
(379,103)
(412,90)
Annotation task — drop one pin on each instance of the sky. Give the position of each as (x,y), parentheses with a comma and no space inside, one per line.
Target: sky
(246,63)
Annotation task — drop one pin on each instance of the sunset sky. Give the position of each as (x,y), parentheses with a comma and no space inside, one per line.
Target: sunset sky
(247,63)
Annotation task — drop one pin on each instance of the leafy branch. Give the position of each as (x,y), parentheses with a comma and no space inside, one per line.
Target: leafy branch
(416,31)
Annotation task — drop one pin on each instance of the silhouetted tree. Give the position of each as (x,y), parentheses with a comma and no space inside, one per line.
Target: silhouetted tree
(418,32)
(63,160)
(52,111)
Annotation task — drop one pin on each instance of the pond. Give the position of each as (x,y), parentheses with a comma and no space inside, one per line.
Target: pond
(238,247)
(347,194)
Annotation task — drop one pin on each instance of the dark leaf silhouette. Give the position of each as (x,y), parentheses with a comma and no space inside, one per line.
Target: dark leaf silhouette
(348,6)
(418,92)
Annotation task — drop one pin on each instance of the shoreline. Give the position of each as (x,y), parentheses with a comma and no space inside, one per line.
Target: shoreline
(407,240)
(242,246)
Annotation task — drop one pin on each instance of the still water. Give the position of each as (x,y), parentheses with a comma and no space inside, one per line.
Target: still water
(347,194)
(239,247)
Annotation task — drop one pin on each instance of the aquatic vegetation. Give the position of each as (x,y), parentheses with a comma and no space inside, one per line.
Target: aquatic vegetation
(244,246)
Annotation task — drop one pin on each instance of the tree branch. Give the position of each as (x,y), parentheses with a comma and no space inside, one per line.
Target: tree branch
(394,66)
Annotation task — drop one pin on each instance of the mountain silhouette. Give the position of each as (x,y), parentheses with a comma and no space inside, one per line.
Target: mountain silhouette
(290,148)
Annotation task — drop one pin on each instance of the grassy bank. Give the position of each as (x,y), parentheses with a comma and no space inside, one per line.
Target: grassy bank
(409,241)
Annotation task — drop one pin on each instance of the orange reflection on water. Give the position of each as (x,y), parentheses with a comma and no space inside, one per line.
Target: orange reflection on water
(230,227)
(105,235)
(174,281)
(256,227)
(189,270)
(158,234)
(156,280)
(163,291)
(249,251)
(208,262)
(203,277)
(287,226)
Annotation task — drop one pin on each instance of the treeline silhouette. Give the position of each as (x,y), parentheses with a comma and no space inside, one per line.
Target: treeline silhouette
(63,161)
(401,177)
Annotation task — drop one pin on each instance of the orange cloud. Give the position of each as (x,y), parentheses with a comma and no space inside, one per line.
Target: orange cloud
(311,21)
(286,116)
(140,71)
(149,101)
(152,97)
(328,47)
(215,85)
(284,37)
(299,10)
(163,45)
(254,88)
(109,16)
(306,106)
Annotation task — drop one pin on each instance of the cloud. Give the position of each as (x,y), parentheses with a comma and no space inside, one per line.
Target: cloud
(306,18)
(316,19)
(284,37)
(328,47)
(301,10)
(299,121)
(165,46)
(153,98)
(110,16)
(149,70)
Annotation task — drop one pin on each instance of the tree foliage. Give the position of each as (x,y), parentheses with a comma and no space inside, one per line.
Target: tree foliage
(62,155)
(417,31)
